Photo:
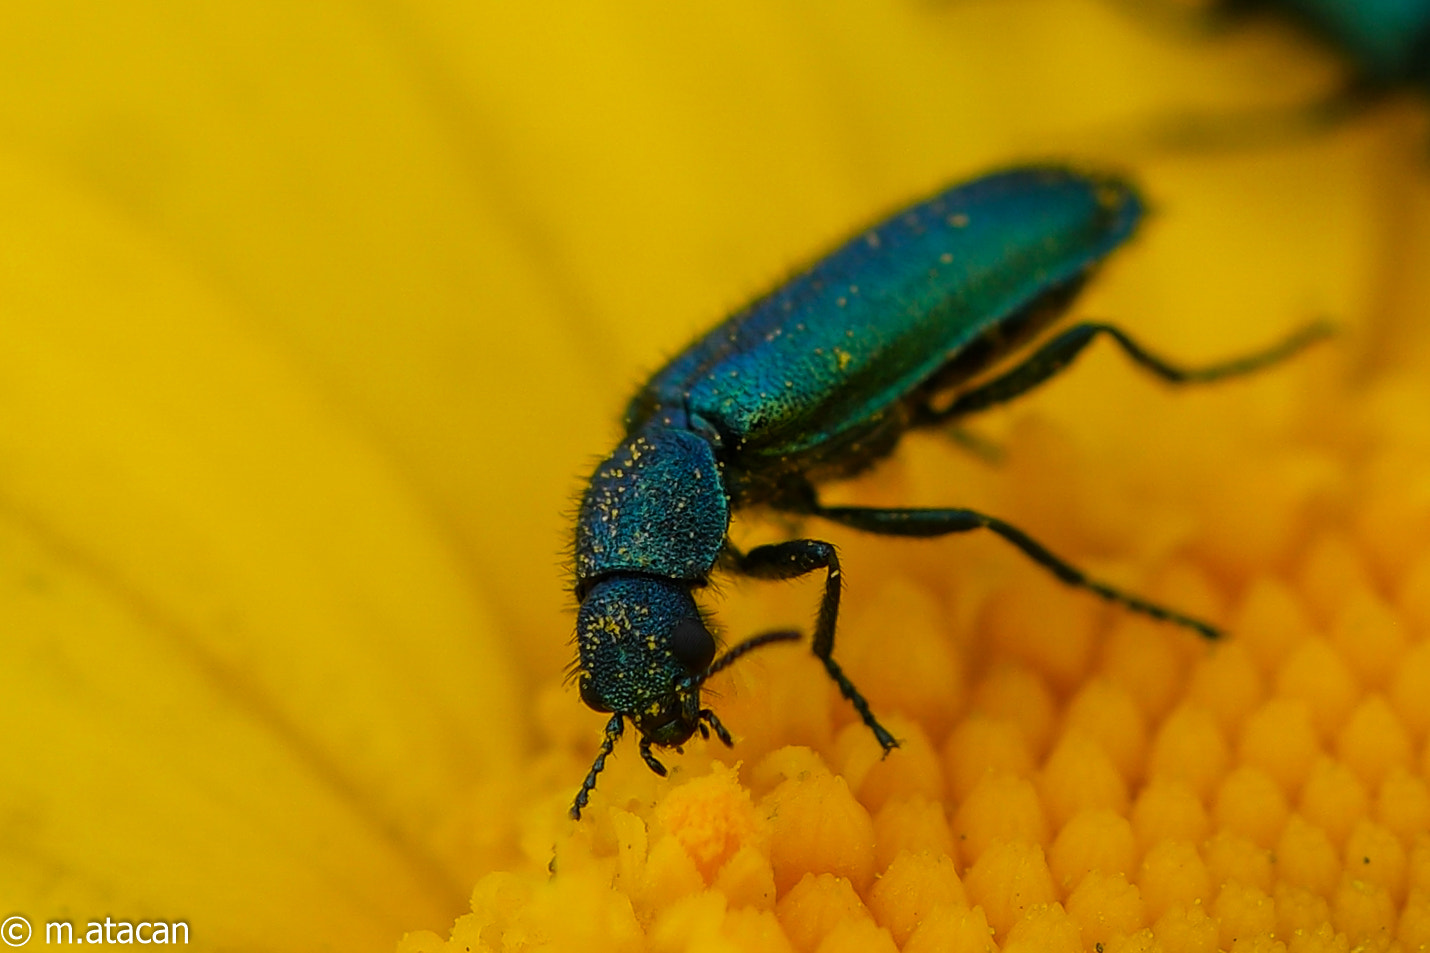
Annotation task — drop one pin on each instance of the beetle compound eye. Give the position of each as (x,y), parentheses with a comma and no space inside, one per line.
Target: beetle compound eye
(693,645)
(591,697)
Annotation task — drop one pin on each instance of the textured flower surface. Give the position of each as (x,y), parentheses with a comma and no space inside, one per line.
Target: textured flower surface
(314,316)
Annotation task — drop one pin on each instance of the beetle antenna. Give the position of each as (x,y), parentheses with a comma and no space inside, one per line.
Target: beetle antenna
(608,744)
(749,645)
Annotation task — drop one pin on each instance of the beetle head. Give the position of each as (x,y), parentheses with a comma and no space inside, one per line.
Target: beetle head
(644,653)
(643,649)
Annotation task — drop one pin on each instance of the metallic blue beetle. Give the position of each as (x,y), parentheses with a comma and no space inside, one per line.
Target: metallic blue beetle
(1387,40)
(818,380)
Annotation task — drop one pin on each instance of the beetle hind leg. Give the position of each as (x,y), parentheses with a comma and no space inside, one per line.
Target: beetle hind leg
(1059,352)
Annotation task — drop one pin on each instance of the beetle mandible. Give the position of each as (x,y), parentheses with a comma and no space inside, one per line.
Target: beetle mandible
(817,380)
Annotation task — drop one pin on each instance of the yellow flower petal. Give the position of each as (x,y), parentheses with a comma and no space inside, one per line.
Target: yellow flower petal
(242,667)
(321,312)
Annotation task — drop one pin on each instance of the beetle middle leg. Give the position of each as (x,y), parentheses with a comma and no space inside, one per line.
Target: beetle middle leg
(800,557)
(941,522)
(1055,356)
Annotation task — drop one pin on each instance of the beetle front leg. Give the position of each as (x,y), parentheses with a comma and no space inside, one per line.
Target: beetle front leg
(797,558)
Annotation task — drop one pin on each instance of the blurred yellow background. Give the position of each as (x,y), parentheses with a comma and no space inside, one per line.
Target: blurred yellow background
(315,317)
